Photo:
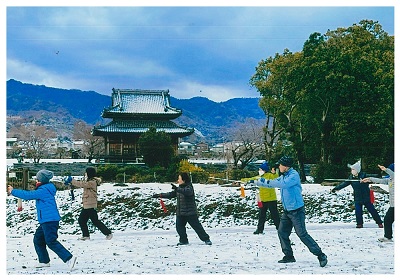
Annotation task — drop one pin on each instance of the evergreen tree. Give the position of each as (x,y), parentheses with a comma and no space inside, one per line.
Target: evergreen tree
(156,148)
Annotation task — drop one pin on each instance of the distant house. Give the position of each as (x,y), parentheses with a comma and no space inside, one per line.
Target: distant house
(10,143)
(133,112)
(186,148)
(201,148)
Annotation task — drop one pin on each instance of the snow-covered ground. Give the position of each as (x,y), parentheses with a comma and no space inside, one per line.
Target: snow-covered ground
(146,245)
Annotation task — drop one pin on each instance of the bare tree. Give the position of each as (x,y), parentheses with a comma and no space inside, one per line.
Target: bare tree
(35,139)
(93,146)
(247,144)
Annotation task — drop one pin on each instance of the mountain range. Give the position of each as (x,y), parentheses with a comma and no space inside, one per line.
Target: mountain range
(61,108)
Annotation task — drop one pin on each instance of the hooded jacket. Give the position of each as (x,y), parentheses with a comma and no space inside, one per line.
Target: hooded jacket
(186,203)
(290,189)
(89,196)
(46,206)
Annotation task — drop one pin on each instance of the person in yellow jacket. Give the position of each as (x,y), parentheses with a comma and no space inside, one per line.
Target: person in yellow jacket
(267,197)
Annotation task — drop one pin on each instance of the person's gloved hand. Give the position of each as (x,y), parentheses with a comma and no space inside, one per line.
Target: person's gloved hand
(174,187)
(333,191)
(68,180)
(157,195)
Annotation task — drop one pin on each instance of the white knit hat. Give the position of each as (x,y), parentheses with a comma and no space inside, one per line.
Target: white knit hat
(356,166)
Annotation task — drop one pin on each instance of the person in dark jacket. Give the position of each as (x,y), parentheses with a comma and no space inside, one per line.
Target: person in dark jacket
(48,217)
(186,209)
(361,195)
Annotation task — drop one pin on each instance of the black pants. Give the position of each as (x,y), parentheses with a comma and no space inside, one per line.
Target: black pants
(91,214)
(273,210)
(194,222)
(388,223)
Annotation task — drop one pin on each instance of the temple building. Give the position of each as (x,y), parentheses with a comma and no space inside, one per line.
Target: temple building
(133,112)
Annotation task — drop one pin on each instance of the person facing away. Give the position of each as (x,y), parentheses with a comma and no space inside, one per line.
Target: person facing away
(293,211)
(388,220)
(48,217)
(186,209)
(89,201)
(267,197)
(362,196)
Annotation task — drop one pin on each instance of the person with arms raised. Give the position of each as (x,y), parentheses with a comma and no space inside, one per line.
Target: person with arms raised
(293,215)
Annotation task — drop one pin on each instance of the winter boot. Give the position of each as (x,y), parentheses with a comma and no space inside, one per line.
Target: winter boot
(323,260)
(287,259)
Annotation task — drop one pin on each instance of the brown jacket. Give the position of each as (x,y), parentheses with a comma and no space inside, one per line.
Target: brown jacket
(89,197)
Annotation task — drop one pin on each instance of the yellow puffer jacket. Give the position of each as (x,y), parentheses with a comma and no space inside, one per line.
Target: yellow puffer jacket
(266,194)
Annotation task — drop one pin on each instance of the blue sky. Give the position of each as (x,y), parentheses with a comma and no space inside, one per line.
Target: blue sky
(209,51)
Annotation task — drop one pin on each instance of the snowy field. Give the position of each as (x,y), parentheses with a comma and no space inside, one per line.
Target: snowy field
(144,247)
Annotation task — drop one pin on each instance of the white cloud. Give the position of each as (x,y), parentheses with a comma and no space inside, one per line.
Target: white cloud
(33,74)
(217,93)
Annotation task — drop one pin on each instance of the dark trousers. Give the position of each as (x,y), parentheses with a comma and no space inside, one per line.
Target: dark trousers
(371,209)
(295,218)
(91,214)
(194,222)
(272,206)
(46,235)
(388,223)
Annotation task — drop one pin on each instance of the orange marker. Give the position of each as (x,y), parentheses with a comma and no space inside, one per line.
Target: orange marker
(242,194)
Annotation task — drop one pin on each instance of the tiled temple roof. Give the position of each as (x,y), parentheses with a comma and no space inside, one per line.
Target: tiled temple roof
(144,104)
(141,126)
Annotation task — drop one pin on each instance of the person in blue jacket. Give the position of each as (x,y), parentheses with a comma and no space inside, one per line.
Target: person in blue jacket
(293,211)
(48,217)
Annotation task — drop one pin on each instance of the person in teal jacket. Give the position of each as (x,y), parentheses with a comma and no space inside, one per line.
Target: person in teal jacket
(267,197)
(48,217)
(293,211)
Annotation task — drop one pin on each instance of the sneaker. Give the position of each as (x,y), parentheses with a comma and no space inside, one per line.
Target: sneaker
(84,238)
(71,262)
(385,239)
(108,237)
(182,243)
(323,260)
(258,232)
(208,242)
(40,265)
(359,226)
(287,259)
(380,225)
